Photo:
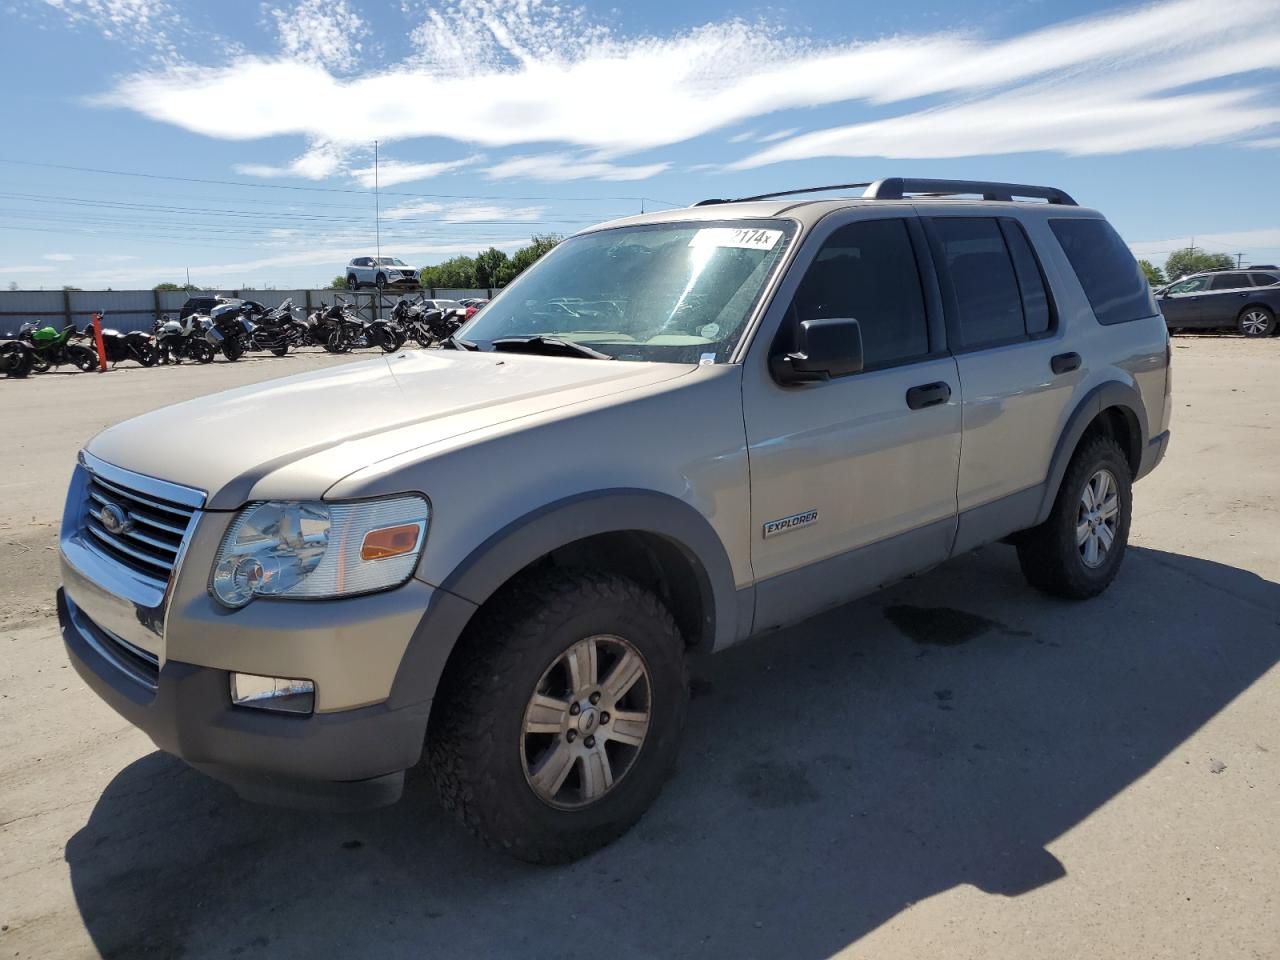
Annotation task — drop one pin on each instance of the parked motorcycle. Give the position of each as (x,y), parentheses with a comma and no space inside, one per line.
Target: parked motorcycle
(135,345)
(423,323)
(229,330)
(52,348)
(180,340)
(16,358)
(276,330)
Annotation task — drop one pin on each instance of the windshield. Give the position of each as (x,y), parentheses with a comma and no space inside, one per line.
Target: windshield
(391,262)
(673,292)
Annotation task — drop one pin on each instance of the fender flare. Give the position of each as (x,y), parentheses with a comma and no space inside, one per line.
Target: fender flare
(527,539)
(1102,397)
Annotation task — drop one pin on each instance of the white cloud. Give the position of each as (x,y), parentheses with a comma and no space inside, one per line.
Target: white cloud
(139,23)
(564,166)
(62,257)
(778,135)
(743,137)
(1248,242)
(531,72)
(392,172)
(324,32)
(1265,143)
(463,212)
(321,161)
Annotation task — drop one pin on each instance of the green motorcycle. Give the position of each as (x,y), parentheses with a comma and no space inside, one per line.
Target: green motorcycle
(52,349)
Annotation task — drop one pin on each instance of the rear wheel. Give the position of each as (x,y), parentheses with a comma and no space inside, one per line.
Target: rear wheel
(560,718)
(83,358)
(352,282)
(202,351)
(1257,322)
(280,349)
(1076,553)
(232,349)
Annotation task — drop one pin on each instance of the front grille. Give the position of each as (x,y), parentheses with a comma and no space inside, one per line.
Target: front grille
(152,536)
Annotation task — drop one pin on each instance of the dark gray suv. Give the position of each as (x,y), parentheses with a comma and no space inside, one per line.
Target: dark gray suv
(1244,300)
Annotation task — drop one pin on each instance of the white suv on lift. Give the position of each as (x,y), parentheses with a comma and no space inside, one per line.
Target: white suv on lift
(381,272)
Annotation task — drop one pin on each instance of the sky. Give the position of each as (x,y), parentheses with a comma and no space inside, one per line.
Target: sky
(233,141)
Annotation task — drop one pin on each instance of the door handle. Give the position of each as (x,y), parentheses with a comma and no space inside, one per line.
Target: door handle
(928,395)
(1065,363)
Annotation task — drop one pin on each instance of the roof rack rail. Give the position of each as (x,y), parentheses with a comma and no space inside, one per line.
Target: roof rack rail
(897,188)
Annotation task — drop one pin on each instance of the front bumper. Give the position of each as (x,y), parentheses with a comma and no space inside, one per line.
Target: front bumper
(343,760)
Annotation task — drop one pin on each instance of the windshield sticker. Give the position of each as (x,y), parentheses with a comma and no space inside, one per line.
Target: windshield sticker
(748,239)
(710,331)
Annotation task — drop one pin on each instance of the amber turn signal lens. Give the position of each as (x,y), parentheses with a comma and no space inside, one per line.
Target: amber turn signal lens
(389,542)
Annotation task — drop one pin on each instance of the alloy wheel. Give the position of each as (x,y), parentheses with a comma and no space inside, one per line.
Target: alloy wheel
(1255,323)
(585,725)
(1097,518)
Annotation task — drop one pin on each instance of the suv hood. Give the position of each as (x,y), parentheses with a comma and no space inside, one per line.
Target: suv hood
(294,438)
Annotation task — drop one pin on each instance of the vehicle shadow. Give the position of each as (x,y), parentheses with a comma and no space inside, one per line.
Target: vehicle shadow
(941,733)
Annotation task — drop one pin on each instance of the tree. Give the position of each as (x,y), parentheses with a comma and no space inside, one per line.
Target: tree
(526,257)
(188,287)
(491,265)
(1154,275)
(457,273)
(338,283)
(1189,260)
(70,289)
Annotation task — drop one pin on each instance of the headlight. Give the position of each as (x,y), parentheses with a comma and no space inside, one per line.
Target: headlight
(312,550)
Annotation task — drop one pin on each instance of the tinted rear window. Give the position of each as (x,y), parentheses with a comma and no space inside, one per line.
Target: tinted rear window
(1116,288)
(1265,279)
(1229,281)
(981,272)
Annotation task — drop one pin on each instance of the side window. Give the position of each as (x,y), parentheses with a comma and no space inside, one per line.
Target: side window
(1229,281)
(1192,285)
(981,273)
(867,271)
(1265,279)
(1116,288)
(1036,306)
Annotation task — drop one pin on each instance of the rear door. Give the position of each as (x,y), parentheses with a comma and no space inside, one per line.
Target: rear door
(1017,375)
(1228,292)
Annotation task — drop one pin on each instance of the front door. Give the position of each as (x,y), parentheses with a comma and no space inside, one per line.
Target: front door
(853,480)
(1182,304)
(1228,293)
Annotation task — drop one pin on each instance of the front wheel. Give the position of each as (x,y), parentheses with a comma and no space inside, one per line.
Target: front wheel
(148,355)
(280,349)
(560,718)
(1257,322)
(16,361)
(202,351)
(232,349)
(1076,553)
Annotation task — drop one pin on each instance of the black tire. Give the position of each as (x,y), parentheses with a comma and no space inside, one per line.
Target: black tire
(17,362)
(1256,321)
(1050,555)
(232,349)
(477,739)
(352,282)
(82,358)
(380,281)
(280,349)
(202,351)
(148,355)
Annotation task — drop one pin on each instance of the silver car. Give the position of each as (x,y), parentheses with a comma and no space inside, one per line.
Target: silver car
(672,433)
(381,272)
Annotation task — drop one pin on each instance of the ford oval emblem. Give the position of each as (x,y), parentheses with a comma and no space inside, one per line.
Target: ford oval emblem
(114,519)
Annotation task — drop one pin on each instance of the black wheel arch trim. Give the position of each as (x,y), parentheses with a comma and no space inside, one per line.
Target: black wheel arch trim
(1102,397)
(540,532)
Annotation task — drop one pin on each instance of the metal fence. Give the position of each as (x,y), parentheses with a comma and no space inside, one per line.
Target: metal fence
(139,309)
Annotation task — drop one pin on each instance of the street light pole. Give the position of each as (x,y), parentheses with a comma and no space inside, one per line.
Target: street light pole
(377,204)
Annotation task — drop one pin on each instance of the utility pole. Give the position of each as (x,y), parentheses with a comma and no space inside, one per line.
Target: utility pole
(377,204)
(1239,260)
(188,276)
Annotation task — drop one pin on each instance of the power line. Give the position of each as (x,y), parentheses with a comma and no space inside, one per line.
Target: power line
(289,186)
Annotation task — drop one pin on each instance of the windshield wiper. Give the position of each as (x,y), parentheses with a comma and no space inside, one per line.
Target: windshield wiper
(548,346)
(455,342)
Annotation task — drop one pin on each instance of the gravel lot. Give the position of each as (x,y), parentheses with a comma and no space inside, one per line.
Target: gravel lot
(958,767)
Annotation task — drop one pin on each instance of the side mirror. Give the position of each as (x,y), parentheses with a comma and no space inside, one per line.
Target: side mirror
(826,348)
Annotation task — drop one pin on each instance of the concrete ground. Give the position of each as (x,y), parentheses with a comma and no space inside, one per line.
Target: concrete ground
(958,767)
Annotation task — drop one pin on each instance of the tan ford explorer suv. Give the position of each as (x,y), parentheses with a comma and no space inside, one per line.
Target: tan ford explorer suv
(673,433)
